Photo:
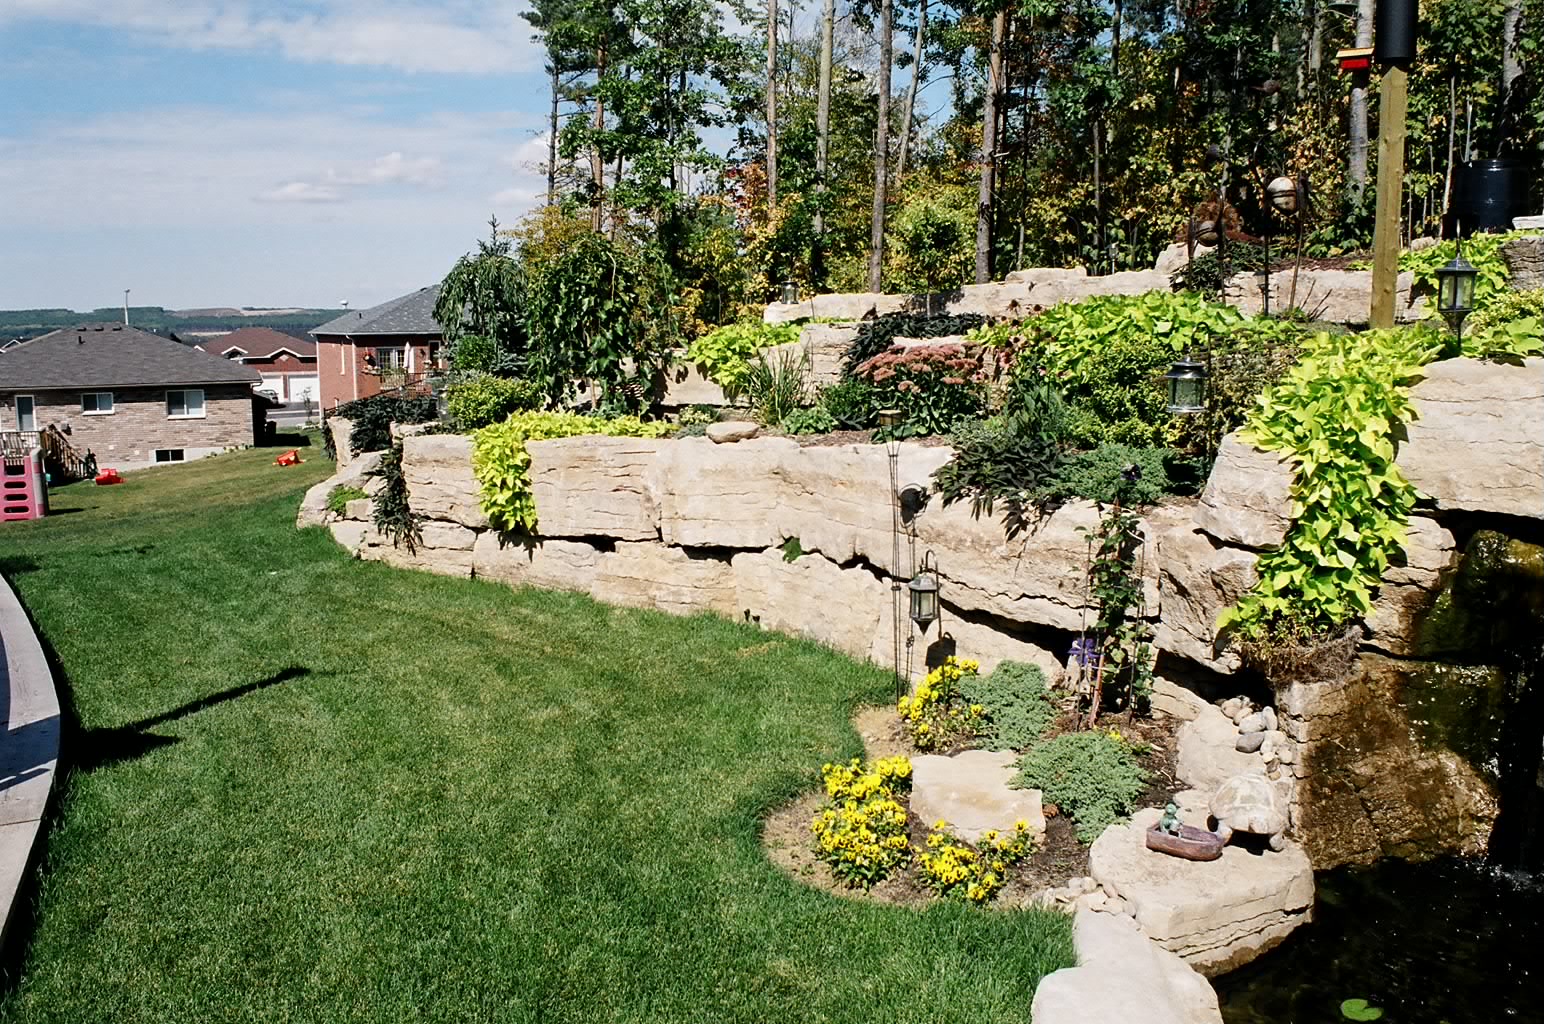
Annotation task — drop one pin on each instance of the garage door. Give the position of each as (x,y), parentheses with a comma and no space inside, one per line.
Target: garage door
(303,389)
(273,383)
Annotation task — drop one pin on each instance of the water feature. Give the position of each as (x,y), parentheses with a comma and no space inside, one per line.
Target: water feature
(1446,941)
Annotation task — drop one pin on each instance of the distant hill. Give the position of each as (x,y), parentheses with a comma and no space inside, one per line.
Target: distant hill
(29,323)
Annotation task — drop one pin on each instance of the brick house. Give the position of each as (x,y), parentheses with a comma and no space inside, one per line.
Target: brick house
(367,351)
(287,364)
(131,398)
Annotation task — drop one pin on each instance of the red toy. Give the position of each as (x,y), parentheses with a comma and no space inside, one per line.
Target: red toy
(289,458)
(109,476)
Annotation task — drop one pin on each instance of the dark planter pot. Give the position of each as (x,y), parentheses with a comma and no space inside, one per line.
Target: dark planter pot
(1489,193)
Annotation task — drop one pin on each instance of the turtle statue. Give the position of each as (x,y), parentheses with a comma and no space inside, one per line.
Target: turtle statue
(1250,803)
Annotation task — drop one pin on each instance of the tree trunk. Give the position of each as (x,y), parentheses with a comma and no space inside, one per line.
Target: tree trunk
(597,165)
(771,106)
(881,148)
(1511,71)
(1357,142)
(1452,142)
(911,95)
(552,141)
(823,111)
(989,151)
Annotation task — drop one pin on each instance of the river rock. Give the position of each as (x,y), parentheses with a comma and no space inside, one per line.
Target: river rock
(1475,443)
(1122,976)
(1253,723)
(1268,716)
(1216,915)
(440,484)
(1249,742)
(970,792)
(1248,497)
(729,431)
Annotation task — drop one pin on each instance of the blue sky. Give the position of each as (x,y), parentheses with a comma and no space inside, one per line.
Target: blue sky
(220,152)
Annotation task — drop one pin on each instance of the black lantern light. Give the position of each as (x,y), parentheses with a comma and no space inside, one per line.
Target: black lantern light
(923,589)
(1187,387)
(1455,290)
(790,292)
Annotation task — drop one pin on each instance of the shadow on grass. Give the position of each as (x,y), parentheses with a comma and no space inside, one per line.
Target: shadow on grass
(83,749)
(288,439)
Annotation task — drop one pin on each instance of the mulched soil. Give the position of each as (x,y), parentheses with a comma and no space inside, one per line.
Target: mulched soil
(786,833)
(838,437)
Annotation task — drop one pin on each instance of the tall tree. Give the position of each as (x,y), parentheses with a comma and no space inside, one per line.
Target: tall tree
(1356,131)
(908,117)
(823,117)
(986,190)
(771,106)
(881,147)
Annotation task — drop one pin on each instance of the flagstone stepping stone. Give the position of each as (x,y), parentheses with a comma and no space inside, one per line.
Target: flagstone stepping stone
(970,792)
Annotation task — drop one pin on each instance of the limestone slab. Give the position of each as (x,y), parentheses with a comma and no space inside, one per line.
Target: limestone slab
(1248,497)
(1198,580)
(970,791)
(669,579)
(1477,441)
(1206,754)
(357,473)
(440,483)
(598,486)
(1216,915)
(730,431)
(811,597)
(350,534)
(1122,977)
(535,562)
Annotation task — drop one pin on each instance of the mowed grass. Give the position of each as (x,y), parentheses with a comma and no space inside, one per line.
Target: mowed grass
(306,788)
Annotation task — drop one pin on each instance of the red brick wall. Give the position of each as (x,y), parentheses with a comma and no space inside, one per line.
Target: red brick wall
(138,424)
(343,374)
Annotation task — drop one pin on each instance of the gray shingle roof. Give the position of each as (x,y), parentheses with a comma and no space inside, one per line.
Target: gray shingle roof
(407,314)
(112,355)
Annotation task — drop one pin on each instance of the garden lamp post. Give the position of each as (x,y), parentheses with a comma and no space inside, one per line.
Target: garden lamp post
(923,589)
(1187,387)
(1455,290)
(889,420)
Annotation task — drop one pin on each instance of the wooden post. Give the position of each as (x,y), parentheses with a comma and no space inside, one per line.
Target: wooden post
(1392,96)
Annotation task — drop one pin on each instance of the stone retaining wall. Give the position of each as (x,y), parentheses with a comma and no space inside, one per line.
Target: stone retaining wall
(30,748)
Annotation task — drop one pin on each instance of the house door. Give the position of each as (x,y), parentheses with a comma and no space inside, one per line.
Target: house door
(26,417)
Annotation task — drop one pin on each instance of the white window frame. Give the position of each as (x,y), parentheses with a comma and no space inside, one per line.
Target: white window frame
(98,411)
(32,411)
(203,408)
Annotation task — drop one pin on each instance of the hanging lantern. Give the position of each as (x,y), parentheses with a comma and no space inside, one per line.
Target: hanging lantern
(889,419)
(1187,387)
(790,292)
(1455,290)
(1282,194)
(923,589)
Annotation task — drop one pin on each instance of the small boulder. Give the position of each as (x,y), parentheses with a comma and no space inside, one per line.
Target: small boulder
(1269,715)
(1249,742)
(731,431)
(1253,723)
(970,792)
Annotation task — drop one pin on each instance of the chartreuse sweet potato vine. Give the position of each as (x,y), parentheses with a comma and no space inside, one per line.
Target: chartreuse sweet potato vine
(1334,416)
(502,465)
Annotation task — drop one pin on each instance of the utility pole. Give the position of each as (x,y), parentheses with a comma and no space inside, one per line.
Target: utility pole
(1393,50)
(125,307)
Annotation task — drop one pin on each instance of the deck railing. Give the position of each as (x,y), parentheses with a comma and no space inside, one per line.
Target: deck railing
(64,461)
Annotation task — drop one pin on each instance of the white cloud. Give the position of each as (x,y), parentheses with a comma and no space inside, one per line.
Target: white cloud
(393,168)
(301,192)
(455,36)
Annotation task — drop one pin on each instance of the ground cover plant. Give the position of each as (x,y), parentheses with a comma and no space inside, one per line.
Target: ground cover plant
(725,353)
(304,787)
(1093,777)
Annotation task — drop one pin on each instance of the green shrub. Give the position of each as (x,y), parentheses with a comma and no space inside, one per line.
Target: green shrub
(1482,250)
(850,402)
(934,243)
(692,430)
(502,464)
(1240,368)
(394,518)
(1000,462)
(1093,777)
(814,420)
(1335,415)
(1510,326)
(475,353)
(697,415)
(725,353)
(1102,475)
(372,418)
(478,399)
(1206,273)
(339,497)
(776,387)
(933,386)
(1016,704)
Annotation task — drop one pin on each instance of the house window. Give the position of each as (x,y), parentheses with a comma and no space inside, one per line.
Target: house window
(185,405)
(168,454)
(96,403)
(390,358)
(26,413)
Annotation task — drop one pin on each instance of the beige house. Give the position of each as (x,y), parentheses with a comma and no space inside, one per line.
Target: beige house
(130,398)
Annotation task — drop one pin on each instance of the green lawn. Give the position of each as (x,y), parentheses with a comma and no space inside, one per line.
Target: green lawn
(306,788)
